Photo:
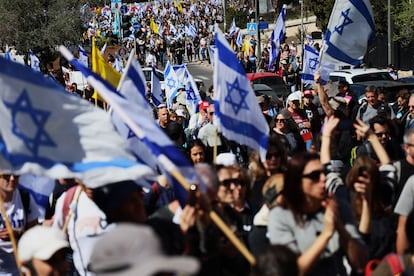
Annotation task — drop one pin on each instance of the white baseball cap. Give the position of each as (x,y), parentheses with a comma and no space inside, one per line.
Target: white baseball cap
(226,159)
(41,242)
(131,249)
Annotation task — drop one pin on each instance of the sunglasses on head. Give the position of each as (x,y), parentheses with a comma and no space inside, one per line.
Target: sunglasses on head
(314,176)
(227,182)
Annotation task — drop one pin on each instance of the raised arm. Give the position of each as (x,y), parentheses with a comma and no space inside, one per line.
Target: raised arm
(363,130)
(323,98)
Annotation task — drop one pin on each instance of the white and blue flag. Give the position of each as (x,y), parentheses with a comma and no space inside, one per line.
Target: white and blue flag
(233,28)
(46,131)
(34,61)
(83,57)
(237,114)
(350,31)
(132,108)
(212,50)
(171,83)
(190,31)
(310,64)
(40,187)
(118,64)
(277,36)
(156,91)
(193,97)
(239,40)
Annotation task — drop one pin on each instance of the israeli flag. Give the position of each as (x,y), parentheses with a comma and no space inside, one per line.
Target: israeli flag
(233,28)
(46,131)
(118,64)
(277,36)
(190,31)
(237,114)
(156,91)
(171,83)
(173,29)
(239,40)
(351,29)
(193,97)
(34,61)
(181,72)
(310,64)
(83,57)
(40,187)
(7,54)
(212,50)
(131,107)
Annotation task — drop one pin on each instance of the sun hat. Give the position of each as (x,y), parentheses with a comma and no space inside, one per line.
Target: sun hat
(41,242)
(131,249)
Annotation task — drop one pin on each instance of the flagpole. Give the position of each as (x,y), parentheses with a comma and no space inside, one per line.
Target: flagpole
(166,162)
(11,233)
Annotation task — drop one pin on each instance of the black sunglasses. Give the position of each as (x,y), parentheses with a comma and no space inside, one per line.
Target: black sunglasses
(8,176)
(280,120)
(315,175)
(227,182)
(269,155)
(211,113)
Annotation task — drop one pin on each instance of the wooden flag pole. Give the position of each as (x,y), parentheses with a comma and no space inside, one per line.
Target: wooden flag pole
(11,233)
(220,223)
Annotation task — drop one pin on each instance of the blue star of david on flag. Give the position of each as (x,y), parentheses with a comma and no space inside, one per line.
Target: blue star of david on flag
(171,83)
(236,96)
(33,138)
(313,63)
(340,28)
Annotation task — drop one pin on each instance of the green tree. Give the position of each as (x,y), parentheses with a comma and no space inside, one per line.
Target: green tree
(404,22)
(40,25)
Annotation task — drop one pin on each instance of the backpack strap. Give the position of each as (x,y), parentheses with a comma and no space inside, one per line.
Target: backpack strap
(25,196)
(70,193)
(396,263)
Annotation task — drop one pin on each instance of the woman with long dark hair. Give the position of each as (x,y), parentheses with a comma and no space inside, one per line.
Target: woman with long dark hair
(314,224)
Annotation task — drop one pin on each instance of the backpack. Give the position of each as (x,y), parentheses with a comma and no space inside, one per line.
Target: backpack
(395,262)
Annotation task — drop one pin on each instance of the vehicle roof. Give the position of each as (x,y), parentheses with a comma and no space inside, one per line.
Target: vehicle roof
(258,75)
(359,71)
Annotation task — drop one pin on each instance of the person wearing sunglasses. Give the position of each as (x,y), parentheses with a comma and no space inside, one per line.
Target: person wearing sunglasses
(288,134)
(381,127)
(313,224)
(19,218)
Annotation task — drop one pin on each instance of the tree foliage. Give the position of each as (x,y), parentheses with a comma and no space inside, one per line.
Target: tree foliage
(39,25)
(404,19)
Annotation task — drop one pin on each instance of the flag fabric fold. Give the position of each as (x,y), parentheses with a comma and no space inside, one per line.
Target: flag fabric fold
(83,57)
(237,114)
(350,31)
(171,83)
(131,106)
(34,61)
(233,28)
(46,131)
(310,64)
(104,69)
(277,36)
(156,91)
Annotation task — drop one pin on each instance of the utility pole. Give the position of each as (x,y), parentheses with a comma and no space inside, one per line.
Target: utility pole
(389,42)
(259,46)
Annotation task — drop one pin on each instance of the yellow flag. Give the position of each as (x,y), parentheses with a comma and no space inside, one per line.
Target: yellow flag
(102,68)
(178,6)
(153,26)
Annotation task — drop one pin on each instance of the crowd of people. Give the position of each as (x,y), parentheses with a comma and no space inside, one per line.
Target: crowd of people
(333,195)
